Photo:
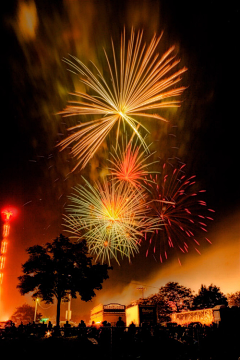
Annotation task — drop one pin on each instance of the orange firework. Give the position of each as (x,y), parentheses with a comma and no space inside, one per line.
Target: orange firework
(138,84)
(177,206)
(129,164)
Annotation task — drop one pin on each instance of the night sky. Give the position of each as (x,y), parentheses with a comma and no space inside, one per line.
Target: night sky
(36,83)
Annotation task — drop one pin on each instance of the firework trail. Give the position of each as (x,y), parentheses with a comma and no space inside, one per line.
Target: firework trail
(137,84)
(112,220)
(182,214)
(129,163)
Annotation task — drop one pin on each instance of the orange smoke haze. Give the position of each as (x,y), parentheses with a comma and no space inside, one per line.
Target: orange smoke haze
(219,264)
(27,20)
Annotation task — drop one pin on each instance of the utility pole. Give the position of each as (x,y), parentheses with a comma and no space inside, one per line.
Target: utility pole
(141,288)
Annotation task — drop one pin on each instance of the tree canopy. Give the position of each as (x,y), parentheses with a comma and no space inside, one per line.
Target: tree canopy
(178,297)
(234,299)
(25,314)
(170,298)
(61,268)
(208,297)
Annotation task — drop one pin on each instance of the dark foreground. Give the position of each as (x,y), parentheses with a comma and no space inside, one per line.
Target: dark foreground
(174,343)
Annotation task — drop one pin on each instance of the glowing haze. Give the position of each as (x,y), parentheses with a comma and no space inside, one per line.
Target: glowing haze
(219,264)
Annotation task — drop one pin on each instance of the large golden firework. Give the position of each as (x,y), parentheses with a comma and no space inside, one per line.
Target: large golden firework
(112,220)
(139,82)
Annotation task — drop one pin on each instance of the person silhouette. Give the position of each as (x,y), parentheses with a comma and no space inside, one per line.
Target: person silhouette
(120,322)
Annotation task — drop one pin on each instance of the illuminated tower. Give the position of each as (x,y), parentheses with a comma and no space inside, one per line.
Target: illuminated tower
(7,215)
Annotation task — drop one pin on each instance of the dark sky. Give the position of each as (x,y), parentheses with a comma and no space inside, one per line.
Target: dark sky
(35,87)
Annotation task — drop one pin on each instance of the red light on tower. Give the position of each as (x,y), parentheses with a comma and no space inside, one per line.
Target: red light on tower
(7,214)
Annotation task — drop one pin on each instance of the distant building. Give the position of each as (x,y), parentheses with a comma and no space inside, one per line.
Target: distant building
(139,314)
(110,313)
(204,316)
(217,314)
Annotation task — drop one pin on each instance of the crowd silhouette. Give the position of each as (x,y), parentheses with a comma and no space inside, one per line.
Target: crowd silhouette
(171,342)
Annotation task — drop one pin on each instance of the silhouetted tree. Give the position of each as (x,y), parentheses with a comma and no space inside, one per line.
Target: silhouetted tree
(59,268)
(25,314)
(234,299)
(178,297)
(208,297)
(170,298)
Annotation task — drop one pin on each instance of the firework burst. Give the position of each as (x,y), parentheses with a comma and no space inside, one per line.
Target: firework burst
(129,163)
(138,83)
(180,211)
(112,220)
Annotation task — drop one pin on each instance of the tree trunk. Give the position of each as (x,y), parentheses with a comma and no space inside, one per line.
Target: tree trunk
(58,311)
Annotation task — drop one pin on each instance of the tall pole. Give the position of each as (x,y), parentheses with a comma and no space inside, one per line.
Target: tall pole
(141,288)
(69,308)
(35,313)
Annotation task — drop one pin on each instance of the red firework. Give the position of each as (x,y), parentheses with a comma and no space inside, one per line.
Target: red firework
(182,214)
